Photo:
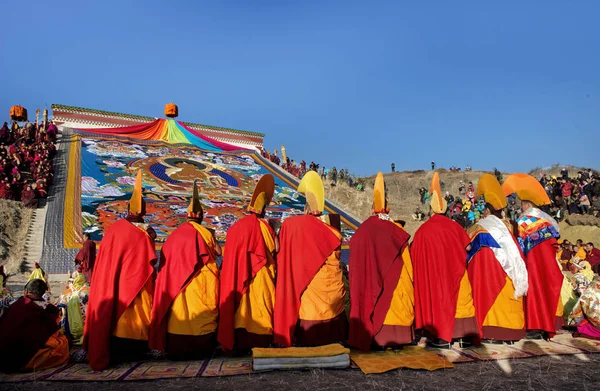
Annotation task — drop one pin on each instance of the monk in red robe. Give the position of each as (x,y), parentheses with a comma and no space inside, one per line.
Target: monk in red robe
(496,269)
(443,298)
(28,198)
(31,338)
(310,292)
(86,257)
(538,234)
(248,276)
(120,302)
(5,190)
(381,283)
(186,298)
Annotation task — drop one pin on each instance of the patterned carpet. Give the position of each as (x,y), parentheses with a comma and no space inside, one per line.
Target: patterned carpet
(376,362)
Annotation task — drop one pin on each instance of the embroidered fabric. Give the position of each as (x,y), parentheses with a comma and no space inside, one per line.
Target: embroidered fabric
(507,254)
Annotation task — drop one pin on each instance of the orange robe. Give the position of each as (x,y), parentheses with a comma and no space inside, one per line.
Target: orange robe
(185,312)
(310,292)
(119,309)
(381,286)
(500,316)
(443,297)
(247,293)
(31,339)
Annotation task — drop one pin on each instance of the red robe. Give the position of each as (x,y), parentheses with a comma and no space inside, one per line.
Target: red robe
(86,257)
(305,243)
(182,257)
(123,267)
(246,254)
(375,267)
(545,284)
(24,329)
(439,263)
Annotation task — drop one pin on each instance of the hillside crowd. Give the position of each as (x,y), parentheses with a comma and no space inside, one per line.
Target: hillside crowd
(298,170)
(573,195)
(26,154)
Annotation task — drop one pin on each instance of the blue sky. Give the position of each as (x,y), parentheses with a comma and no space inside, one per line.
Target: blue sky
(356,84)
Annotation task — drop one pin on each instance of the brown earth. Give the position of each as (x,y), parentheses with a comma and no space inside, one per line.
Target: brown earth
(403,198)
(543,373)
(14,222)
(403,193)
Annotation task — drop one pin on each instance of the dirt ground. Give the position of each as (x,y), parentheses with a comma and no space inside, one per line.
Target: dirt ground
(14,222)
(543,373)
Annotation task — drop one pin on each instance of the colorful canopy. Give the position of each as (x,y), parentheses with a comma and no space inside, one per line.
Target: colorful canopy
(170,131)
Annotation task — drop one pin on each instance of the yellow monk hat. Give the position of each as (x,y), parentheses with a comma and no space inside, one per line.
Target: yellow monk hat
(311,186)
(438,203)
(527,188)
(194,210)
(490,189)
(263,193)
(136,203)
(380,204)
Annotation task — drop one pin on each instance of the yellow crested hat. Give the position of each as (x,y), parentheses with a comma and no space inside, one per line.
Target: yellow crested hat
(490,189)
(438,203)
(380,204)
(263,193)
(527,188)
(136,203)
(312,188)
(194,210)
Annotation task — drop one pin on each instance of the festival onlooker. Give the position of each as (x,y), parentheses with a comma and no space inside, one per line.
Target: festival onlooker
(593,256)
(26,162)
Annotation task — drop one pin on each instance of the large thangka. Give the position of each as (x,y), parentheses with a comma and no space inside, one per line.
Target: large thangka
(102,173)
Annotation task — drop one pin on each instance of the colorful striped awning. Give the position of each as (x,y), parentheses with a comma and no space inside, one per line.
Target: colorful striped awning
(169,131)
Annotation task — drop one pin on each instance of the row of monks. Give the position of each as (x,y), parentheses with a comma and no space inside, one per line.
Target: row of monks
(288,289)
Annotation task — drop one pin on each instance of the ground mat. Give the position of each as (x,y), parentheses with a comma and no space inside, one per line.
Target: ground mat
(412,357)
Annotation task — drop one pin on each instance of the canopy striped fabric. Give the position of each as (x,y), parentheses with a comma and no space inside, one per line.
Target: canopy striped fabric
(169,131)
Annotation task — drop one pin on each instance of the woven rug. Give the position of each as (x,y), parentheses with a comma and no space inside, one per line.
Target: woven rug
(413,357)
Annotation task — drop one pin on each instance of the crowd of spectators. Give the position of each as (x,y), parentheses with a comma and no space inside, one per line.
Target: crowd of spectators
(327,175)
(569,196)
(464,208)
(26,154)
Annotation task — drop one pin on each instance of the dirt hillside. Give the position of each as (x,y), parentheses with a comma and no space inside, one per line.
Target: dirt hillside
(403,197)
(14,222)
(403,193)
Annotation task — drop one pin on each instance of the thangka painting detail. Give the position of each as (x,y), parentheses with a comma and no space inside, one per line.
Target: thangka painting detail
(226,182)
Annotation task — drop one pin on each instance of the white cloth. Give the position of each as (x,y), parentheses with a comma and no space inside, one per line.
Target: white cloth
(508,255)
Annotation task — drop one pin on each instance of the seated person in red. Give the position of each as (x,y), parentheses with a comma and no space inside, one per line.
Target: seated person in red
(30,334)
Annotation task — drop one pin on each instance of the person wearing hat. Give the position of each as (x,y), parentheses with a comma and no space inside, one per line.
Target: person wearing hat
(381,285)
(120,303)
(537,236)
(186,297)
(443,300)
(496,269)
(247,294)
(310,292)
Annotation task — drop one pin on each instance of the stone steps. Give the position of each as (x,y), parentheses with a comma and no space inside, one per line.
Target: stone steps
(35,236)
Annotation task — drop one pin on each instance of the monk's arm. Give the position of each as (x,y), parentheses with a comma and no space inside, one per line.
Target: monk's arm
(276,244)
